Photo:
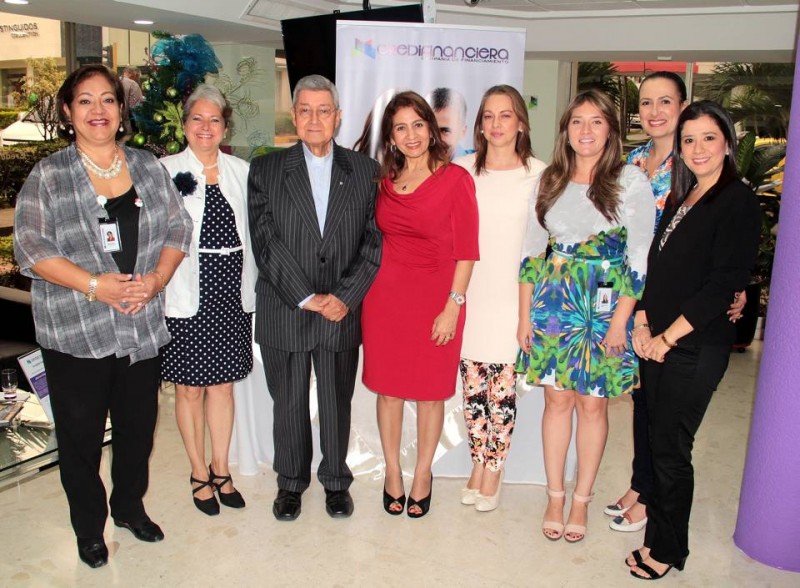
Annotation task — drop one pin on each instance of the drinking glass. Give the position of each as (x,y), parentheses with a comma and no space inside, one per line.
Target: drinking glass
(8,381)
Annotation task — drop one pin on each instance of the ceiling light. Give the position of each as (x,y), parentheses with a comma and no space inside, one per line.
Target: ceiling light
(143,22)
(16,1)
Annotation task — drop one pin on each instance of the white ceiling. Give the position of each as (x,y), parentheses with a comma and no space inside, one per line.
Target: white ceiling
(703,30)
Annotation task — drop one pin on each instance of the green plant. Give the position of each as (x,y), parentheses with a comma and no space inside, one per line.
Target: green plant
(17,161)
(40,92)
(757,165)
(176,65)
(8,265)
(757,95)
(600,75)
(262,150)
(8,116)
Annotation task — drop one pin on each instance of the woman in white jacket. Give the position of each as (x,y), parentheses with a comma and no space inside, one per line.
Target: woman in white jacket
(209,299)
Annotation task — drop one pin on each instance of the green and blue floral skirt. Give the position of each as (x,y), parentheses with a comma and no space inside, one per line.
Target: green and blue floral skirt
(568,328)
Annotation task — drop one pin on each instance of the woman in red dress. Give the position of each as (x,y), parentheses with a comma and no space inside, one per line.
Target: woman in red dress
(413,315)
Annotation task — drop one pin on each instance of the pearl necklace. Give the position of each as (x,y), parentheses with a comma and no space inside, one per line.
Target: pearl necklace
(108,173)
(212,166)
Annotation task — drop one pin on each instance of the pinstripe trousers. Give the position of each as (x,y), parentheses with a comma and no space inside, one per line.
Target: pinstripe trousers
(288,376)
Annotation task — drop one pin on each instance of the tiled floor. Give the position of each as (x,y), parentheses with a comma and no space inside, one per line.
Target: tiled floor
(452,546)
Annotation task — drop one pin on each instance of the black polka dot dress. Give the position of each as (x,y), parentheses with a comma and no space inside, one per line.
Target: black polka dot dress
(215,345)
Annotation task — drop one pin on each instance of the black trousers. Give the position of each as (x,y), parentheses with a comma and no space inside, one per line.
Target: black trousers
(83,392)
(288,377)
(642,478)
(678,393)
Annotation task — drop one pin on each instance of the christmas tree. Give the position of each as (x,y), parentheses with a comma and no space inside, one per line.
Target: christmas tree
(177,64)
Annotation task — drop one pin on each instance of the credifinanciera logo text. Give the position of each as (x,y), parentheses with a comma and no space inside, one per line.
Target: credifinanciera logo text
(451,53)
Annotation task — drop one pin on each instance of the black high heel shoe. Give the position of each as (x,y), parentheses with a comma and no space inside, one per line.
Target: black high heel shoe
(654,575)
(208,506)
(389,500)
(424,505)
(230,499)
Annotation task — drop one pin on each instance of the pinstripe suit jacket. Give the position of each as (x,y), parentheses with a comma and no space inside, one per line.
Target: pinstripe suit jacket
(295,261)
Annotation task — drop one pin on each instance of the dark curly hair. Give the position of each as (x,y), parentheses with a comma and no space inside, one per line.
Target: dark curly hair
(66,94)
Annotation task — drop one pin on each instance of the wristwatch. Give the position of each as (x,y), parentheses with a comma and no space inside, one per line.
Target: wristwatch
(90,295)
(459,299)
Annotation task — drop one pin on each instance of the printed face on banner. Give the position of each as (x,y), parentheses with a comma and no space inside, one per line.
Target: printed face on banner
(450,66)
(452,126)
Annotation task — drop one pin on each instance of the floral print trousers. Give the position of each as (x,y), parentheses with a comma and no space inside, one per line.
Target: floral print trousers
(490,410)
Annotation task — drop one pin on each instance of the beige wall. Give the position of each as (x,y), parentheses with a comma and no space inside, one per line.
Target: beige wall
(549,82)
(131,46)
(43,38)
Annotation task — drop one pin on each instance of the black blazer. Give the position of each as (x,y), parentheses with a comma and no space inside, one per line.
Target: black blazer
(705,261)
(295,261)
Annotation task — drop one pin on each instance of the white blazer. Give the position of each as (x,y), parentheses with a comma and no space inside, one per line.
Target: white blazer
(183,291)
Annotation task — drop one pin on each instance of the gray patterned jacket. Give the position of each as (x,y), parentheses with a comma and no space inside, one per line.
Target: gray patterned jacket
(57,216)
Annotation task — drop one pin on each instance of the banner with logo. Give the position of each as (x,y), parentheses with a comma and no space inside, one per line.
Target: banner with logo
(451,66)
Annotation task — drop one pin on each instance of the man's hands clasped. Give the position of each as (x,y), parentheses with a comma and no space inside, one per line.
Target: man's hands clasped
(328,305)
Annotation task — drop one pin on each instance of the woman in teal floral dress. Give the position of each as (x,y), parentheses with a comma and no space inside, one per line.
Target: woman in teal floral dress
(576,304)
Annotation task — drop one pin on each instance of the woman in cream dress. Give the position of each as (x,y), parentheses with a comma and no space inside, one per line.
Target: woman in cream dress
(504,171)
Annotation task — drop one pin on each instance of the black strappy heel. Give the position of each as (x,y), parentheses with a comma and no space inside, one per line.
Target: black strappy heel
(231,499)
(208,506)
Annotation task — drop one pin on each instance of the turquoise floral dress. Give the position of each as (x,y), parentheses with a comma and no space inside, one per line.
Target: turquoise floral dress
(662,177)
(576,288)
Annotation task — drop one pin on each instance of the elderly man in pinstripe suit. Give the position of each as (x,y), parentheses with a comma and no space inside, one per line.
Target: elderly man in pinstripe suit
(312,221)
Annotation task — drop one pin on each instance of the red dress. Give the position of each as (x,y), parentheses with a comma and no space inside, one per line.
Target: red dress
(424,234)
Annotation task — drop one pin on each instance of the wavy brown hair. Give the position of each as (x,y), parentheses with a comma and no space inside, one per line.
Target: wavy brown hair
(523,144)
(393,159)
(604,189)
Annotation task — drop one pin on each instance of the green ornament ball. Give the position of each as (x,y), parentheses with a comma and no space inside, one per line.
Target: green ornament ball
(33,98)
(139,139)
(146,85)
(158,118)
(172,147)
(172,92)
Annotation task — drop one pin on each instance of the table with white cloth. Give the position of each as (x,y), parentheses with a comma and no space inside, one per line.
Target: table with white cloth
(252,443)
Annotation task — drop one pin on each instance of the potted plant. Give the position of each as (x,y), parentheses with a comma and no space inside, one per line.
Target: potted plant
(761,167)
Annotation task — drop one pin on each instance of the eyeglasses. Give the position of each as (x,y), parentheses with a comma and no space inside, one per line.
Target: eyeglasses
(323,112)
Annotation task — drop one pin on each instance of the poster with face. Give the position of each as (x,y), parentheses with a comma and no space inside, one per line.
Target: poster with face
(450,66)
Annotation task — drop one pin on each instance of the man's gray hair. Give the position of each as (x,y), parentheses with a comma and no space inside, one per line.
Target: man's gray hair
(316,83)
(133,71)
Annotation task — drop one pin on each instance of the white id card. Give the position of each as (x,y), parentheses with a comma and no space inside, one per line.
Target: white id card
(109,235)
(603,300)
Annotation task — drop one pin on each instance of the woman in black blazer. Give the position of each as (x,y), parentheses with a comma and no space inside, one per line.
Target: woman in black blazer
(702,254)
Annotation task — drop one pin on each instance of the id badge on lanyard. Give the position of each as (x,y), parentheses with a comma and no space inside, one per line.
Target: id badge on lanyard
(109,235)
(605,291)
